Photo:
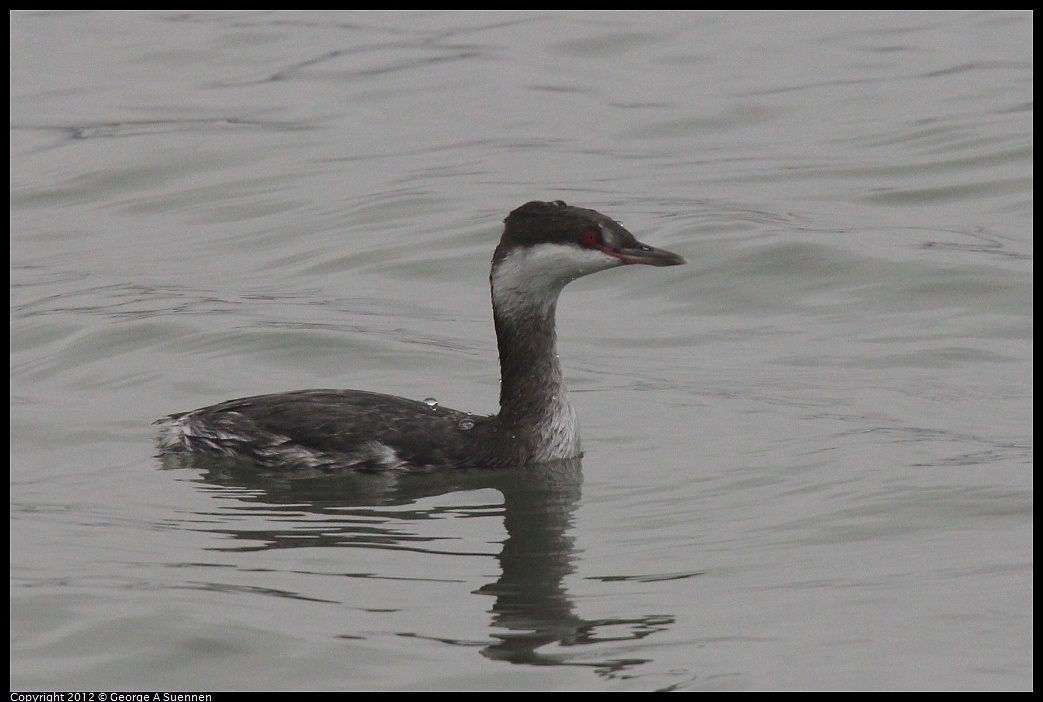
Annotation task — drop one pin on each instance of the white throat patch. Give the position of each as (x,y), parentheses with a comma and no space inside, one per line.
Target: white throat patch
(532,278)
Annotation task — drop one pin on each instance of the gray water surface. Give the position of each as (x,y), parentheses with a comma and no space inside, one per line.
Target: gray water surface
(808,452)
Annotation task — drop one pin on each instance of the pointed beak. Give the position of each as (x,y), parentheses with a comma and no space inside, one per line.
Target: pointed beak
(643,253)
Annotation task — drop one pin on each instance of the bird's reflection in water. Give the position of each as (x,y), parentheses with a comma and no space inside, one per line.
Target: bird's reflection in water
(531,609)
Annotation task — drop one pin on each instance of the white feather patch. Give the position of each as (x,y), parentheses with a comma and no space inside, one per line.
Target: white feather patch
(532,278)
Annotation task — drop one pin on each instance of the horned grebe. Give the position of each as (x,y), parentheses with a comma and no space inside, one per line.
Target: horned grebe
(544,246)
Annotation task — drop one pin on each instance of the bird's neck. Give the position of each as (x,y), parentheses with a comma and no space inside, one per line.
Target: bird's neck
(533,396)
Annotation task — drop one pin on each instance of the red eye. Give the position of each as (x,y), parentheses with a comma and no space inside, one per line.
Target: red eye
(591,237)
